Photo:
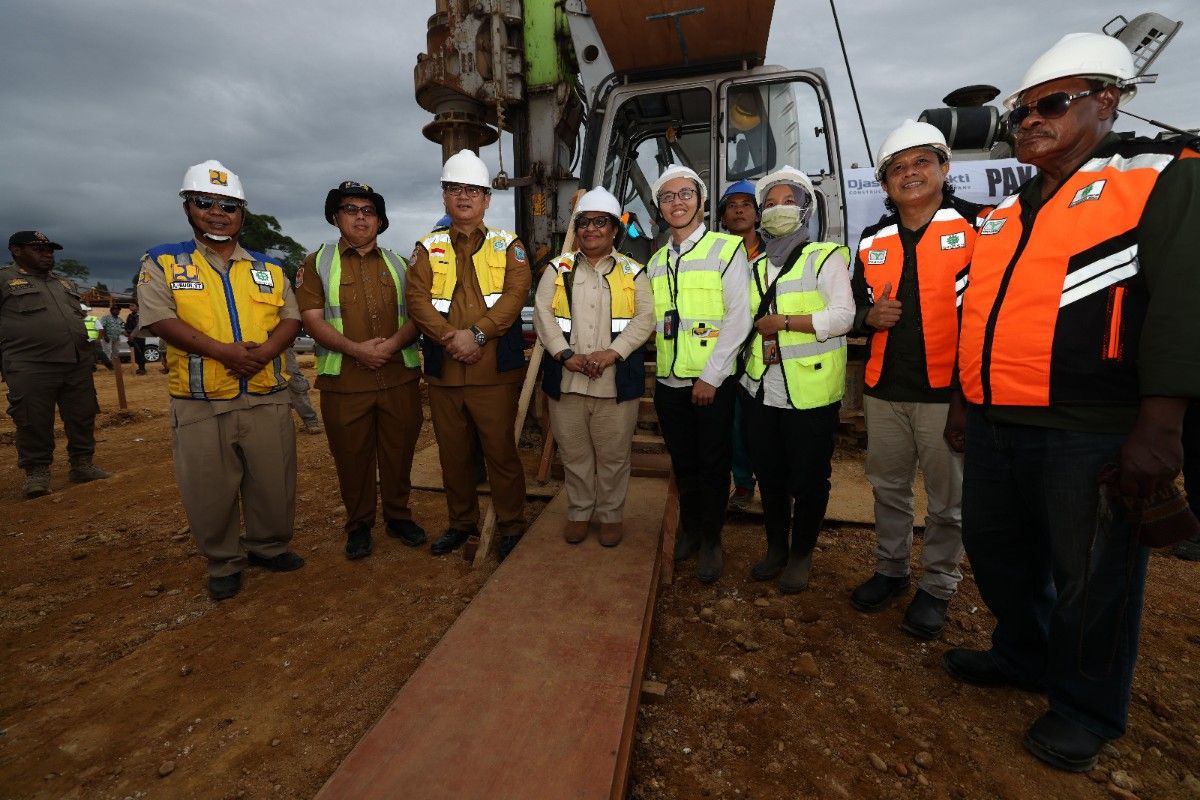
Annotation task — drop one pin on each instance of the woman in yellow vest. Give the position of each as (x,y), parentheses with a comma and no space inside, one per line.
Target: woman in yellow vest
(593,313)
(794,374)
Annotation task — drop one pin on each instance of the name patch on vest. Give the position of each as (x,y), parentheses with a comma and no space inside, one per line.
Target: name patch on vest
(194,286)
(876,256)
(953,241)
(1090,192)
(992,227)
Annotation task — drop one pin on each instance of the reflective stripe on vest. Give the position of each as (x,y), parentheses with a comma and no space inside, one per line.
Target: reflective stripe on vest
(621,289)
(814,372)
(1053,312)
(490,261)
(693,289)
(329,268)
(943,255)
(240,305)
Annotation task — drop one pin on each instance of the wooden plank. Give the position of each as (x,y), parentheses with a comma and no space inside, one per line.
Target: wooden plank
(427,475)
(533,691)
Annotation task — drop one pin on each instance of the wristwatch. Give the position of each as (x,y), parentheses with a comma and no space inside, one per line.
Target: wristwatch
(480,336)
(565,355)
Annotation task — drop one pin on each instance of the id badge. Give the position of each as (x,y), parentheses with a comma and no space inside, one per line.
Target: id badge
(770,348)
(671,324)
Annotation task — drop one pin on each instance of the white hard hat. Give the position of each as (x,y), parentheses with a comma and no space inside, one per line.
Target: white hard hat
(910,134)
(1086,55)
(468,168)
(679,171)
(782,175)
(212,177)
(599,199)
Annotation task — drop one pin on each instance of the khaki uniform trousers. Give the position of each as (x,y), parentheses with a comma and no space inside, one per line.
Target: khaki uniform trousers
(595,436)
(34,389)
(366,429)
(458,412)
(247,456)
(899,436)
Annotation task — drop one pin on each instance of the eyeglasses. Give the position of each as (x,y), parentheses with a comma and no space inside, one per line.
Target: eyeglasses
(682,194)
(599,223)
(1052,106)
(354,211)
(463,189)
(205,203)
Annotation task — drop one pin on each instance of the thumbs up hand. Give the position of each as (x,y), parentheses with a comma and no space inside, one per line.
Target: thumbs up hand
(886,311)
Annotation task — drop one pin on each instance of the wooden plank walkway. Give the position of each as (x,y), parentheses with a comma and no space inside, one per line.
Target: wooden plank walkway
(427,474)
(533,691)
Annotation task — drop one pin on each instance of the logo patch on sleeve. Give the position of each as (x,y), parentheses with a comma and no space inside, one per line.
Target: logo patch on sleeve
(144,277)
(519,254)
(1090,192)
(299,278)
(992,227)
(953,241)
(876,256)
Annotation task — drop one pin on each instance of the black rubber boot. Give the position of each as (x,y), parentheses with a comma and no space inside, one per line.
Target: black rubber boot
(687,537)
(776,513)
(712,558)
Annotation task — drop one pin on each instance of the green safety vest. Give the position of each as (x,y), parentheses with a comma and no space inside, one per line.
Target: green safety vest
(814,372)
(92,324)
(329,268)
(692,287)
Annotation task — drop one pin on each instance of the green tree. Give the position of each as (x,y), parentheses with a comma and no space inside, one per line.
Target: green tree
(263,233)
(101,286)
(71,269)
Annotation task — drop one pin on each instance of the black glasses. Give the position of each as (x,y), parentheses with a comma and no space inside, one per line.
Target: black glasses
(682,194)
(1052,106)
(354,211)
(599,223)
(462,188)
(205,203)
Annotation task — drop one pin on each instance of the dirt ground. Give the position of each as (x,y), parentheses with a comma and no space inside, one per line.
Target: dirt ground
(121,679)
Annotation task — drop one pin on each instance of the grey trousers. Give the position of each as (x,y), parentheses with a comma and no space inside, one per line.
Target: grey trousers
(899,437)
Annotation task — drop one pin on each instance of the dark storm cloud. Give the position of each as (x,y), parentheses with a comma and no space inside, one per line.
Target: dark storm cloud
(105,104)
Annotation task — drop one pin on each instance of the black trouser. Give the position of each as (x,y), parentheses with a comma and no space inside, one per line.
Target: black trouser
(101,356)
(139,352)
(700,441)
(1191,456)
(792,454)
(34,389)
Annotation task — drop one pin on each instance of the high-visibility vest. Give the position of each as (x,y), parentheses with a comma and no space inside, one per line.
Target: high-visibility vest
(490,262)
(630,372)
(814,372)
(943,255)
(691,287)
(92,325)
(242,305)
(1054,311)
(329,268)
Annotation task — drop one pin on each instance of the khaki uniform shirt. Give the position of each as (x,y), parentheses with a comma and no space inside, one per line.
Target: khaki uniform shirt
(156,302)
(40,318)
(467,308)
(591,321)
(369,310)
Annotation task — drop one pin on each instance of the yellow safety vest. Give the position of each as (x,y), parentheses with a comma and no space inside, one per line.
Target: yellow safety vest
(329,268)
(692,287)
(92,325)
(490,260)
(814,372)
(241,305)
(621,288)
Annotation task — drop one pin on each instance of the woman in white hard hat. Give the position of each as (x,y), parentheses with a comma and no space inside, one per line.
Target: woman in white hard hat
(794,374)
(594,311)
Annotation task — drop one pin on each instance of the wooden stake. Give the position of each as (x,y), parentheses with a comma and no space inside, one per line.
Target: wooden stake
(119,371)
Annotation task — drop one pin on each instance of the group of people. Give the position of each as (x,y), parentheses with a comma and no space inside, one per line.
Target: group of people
(1047,337)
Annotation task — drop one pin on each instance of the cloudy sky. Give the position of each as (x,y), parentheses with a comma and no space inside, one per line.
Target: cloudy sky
(105,104)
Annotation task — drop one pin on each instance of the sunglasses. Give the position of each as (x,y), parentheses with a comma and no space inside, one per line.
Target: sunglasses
(353,210)
(599,223)
(205,203)
(1052,106)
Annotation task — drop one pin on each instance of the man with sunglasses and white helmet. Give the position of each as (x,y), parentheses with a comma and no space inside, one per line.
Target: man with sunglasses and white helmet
(1077,355)
(351,296)
(909,272)
(227,314)
(467,284)
(700,281)
(594,311)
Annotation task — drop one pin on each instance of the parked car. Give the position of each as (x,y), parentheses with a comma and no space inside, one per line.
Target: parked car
(154,349)
(528,334)
(304,344)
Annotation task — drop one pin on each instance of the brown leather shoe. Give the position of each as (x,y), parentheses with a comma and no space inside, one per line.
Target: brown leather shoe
(575,531)
(611,533)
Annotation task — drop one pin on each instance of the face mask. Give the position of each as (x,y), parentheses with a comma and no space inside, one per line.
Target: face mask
(782,220)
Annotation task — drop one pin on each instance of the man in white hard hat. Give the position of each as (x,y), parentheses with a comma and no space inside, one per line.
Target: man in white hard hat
(227,314)
(700,281)
(593,313)
(470,318)
(1077,354)
(351,295)
(47,362)
(908,274)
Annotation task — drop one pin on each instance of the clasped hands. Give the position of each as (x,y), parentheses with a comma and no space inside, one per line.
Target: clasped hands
(592,364)
(460,345)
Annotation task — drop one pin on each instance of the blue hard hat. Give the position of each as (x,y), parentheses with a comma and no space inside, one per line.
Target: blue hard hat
(741,187)
(444,222)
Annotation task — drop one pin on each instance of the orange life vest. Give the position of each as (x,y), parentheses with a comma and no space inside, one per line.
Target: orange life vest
(1056,300)
(943,255)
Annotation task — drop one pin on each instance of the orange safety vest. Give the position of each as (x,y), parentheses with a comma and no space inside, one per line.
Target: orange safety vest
(943,255)
(1056,300)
